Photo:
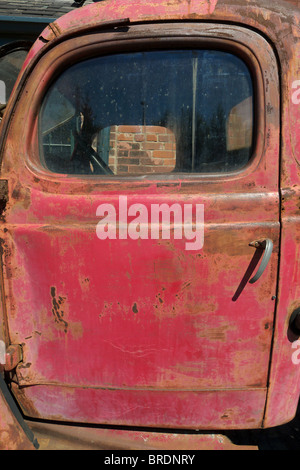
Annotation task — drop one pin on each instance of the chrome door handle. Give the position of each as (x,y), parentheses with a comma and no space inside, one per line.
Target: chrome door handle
(267,246)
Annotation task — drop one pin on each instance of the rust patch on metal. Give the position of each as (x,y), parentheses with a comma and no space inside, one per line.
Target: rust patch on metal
(84,282)
(218,333)
(55,28)
(134,308)
(57,309)
(52,436)
(14,433)
(25,403)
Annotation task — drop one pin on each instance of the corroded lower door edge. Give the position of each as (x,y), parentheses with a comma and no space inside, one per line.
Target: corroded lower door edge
(64,437)
(14,432)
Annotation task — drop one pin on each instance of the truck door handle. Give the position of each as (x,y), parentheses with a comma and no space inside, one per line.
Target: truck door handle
(267,246)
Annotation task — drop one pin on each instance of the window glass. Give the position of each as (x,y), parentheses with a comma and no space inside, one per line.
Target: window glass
(149,113)
(10,66)
(12,57)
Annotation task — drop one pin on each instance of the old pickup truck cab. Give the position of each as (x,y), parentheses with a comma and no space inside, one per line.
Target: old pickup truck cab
(150,225)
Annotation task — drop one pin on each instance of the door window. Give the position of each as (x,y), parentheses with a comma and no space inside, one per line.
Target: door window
(131,114)
(12,57)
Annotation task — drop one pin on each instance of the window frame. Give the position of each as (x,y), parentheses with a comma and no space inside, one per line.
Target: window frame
(159,36)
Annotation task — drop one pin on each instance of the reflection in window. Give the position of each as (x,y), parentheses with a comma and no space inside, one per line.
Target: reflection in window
(149,113)
(10,66)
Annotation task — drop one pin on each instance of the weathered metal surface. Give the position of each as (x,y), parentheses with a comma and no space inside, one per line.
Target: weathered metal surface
(13,357)
(148,334)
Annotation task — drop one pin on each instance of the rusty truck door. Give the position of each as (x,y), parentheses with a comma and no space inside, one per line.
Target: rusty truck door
(123,319)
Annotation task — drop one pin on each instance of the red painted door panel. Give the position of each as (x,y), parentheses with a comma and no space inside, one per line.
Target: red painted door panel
(143,332)
(143,315)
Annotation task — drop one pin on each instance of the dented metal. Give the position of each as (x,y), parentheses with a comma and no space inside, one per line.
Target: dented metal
(126,333)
